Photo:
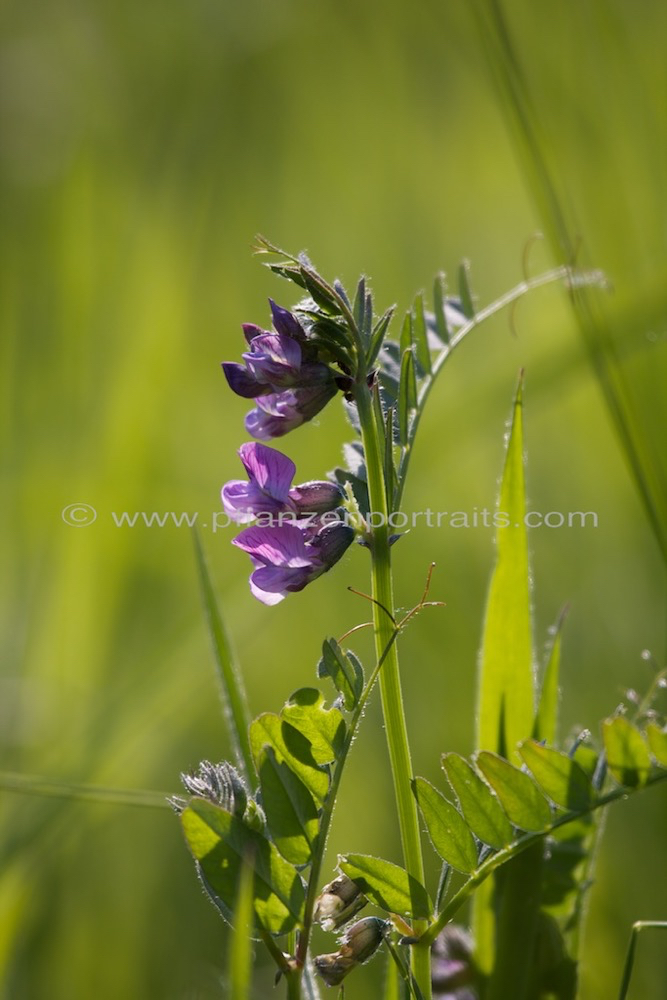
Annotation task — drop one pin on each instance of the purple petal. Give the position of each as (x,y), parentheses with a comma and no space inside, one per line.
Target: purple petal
(241,381)
(275,359)
(275,546)
(286,322)
(270,469)
(244,501)
(250,331)
(275,415)
(265,596)
(280,579)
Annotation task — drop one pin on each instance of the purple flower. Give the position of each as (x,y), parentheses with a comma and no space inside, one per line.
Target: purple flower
(279,413)
(286,558)
(267,491)
(282,371)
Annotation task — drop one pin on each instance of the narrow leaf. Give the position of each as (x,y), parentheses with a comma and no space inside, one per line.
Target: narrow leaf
(240,942)
(232,692)
(546,718)
(405,339)
(559,777)
(344,670)
(479,805)
(506,711)
(389,466)
(359,306)
(407,394)
(657,741)
(446,827)
(439,299)
(377,336)
(387,885)
(420,337)
(465,294)
(627,754)
(291,813)
(290,746)
(324,728)
(524,803)
(221,842)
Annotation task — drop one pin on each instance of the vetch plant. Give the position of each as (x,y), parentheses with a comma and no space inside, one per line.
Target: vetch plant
(515,826)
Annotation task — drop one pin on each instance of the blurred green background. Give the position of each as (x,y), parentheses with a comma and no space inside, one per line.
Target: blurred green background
(143,145)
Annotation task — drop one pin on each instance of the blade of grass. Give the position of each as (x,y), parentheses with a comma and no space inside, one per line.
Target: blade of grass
(231,688)
(240,943)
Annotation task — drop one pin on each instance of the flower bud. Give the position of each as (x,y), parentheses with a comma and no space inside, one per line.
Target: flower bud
(357,945)
(338,902)
(316,497)
(332,542)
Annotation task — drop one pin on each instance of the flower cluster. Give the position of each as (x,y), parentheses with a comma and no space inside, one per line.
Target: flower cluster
(301,535)
(298,534)
(282,372)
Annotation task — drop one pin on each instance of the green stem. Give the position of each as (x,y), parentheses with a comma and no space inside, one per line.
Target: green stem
(390,683)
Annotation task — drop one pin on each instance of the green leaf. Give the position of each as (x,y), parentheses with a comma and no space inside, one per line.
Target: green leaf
(232,692)
(359,306)
(559,777)
(446,827)
(506,708)
(291,813)
(344,670)
(220,842)
(439,299)
(405,340)
(290,746)
(324,728)
(524,803)
(240,942)
(389,466)
(407,393)
(420,337)
(465,294)
(387,885)
(479,805)
(627,754)
(657,741)
(377,336)
(546,718)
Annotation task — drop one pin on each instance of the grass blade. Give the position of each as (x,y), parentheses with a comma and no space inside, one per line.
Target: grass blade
(505,710)
(240,944)
(232,692)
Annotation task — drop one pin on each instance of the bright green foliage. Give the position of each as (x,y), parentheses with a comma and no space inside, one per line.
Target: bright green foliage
(506,696)
(479,805)
(344,670)
(628,758)
(420,336)
(291,813)
(563,780)
(324,728)
(291,746)
(439,296)
(546,717)
(220,842)
(240,942)
(657,741)
(389,886)
(524,803)
(446,827)
(465,293)
(407,393)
